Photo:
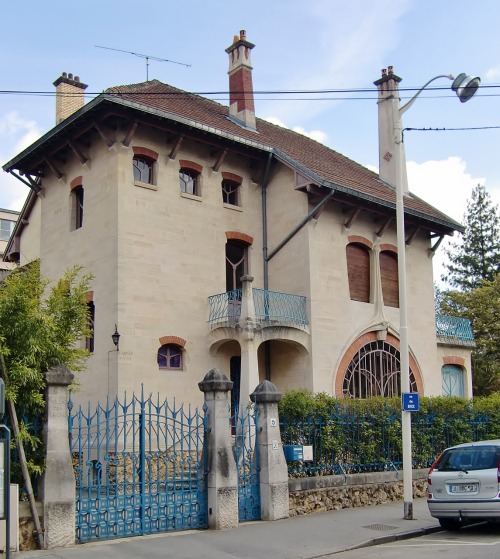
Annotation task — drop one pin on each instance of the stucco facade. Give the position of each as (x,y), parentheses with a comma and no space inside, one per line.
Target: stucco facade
(158,254)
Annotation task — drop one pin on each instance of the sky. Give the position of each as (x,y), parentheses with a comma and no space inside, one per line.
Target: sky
(306,46)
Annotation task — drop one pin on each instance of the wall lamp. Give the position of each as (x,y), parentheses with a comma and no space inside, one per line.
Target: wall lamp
(116,338)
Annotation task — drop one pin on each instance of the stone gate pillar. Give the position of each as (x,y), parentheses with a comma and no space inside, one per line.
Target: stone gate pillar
(273,468)
(222,474)
(58,480)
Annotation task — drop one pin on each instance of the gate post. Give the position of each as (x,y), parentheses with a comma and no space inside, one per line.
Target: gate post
(222,478)
(273,469)
(58,486)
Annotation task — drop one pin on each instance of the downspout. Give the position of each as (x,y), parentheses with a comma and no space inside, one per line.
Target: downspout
(306,219)
(264,219)
(267,348)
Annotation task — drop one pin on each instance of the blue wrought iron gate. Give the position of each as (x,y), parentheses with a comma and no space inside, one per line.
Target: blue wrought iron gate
(246,452)
(139,468)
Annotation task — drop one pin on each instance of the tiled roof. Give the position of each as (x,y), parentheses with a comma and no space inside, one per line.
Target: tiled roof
(326,163)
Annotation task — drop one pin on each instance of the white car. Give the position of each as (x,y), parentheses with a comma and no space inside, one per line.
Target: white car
(464,484)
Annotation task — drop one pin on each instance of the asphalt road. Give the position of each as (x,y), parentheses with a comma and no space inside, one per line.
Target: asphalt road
(481,541)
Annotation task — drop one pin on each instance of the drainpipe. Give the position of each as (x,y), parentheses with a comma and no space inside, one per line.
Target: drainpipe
(267,347)
(264,219)
(306,219)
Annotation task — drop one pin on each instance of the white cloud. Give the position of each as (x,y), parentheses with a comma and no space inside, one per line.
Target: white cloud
(317,135)
(492,74)
(16,134)
(447,186)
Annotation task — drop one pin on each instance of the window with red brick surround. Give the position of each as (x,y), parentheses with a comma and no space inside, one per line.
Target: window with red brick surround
(190,177)
(170,353)
(76,186)
(389,277)
(144,164)
(358,271)
(231,184)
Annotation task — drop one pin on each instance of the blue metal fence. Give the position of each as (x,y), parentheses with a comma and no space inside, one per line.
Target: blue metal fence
(347,442)
(246,450)
(139,468)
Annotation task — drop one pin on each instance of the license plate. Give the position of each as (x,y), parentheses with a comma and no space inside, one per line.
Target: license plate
(463,488)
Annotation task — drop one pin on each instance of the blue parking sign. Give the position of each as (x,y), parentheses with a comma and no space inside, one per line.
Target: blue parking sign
(410,401)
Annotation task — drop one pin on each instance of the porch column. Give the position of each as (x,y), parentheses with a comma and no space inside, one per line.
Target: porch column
(222,479)
(273,468)
(58,487)
(247,326)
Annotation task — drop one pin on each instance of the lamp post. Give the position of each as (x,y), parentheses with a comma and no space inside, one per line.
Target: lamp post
(393,170)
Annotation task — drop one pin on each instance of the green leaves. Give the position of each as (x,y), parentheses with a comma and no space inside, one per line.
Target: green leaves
(476,256)
(41,325)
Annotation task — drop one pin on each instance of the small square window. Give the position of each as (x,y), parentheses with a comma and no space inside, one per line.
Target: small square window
(189,182)
(230,192)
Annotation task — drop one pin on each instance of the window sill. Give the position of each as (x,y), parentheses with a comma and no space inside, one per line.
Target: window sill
(191,196)
(145,185)
(232,207)
(169,369)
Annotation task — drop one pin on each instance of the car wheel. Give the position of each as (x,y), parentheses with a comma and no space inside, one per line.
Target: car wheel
(450,524)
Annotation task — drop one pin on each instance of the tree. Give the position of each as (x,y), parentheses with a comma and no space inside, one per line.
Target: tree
(41,325)
(482,307)
(476,257)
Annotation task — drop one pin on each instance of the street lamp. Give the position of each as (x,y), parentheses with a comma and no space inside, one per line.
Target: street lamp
(393,171)
(116,338)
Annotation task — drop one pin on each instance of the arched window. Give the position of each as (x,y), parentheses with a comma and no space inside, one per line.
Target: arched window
(144,165)
(231,184)
(236,264)
(389,277)
(375,370)
(170,357)
(452,380)
(76,203)
(143,169)
(189,182)
(358,271)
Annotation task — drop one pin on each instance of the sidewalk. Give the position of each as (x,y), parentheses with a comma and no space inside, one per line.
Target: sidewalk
(300,537)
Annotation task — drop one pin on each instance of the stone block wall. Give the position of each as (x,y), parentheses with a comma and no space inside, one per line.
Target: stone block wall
(323,493)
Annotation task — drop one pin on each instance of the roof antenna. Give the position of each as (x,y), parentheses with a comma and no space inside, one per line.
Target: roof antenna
(147,57)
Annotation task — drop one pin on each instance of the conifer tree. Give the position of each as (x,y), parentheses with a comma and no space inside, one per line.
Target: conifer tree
(476,256)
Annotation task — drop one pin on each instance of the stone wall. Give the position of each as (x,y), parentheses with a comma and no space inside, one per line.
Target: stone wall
(322,493)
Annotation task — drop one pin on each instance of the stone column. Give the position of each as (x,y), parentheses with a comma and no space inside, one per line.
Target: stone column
(273,468)
(59,479)
(222,474)
(247,326)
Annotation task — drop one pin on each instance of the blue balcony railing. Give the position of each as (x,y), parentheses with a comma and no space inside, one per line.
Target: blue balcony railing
(271,307)
(454,329)
(283,308)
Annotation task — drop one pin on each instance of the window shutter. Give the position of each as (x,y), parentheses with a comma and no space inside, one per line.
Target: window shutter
(389,277)
(358,272)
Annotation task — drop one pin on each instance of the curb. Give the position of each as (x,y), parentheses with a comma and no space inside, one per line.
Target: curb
(397,537)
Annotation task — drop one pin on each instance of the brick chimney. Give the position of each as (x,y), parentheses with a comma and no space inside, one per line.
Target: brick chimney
(241,104)
(69,95)
(388,120)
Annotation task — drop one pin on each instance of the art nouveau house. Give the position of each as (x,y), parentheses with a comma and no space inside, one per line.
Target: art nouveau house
(217,239)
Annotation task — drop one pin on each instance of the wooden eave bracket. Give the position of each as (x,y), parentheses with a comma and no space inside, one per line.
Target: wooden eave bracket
(130,134)
(352,217)
(220,160)
(108,140)
(412,235)
(78,153)
(382,229)
(59,174)
(435,246)
(175,148)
